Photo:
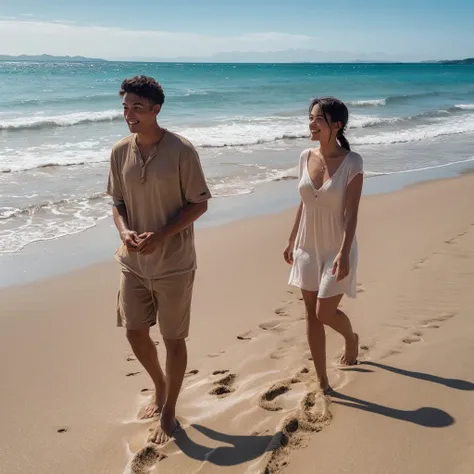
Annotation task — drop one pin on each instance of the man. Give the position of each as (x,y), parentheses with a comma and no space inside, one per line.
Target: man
(159,190)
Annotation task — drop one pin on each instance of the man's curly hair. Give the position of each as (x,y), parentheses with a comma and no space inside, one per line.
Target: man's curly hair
(145,87)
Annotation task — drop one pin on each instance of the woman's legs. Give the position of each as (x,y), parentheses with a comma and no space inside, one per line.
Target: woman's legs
(324,311)
(328,313)
(316,337)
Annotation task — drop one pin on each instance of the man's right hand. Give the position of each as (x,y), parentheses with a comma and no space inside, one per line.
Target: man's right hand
(130,239)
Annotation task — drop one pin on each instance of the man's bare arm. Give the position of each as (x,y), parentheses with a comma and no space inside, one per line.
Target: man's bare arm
(129,237)
(186,216)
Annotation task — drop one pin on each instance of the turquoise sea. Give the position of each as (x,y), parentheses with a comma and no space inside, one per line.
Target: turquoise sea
(248,122)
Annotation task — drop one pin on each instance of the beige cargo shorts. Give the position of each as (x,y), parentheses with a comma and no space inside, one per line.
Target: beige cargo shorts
(140,302)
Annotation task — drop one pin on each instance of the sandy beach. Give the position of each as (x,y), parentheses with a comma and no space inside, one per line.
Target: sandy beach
(71,389)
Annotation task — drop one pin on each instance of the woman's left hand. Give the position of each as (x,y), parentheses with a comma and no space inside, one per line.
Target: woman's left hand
(341,266)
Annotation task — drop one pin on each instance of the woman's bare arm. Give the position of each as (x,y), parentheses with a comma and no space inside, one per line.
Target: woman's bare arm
(354,191)
(288,253)
(296,224)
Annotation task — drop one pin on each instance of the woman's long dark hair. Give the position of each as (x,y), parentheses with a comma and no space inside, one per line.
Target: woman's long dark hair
(338,112)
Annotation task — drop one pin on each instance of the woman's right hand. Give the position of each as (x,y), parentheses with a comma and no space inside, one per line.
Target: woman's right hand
(288,253)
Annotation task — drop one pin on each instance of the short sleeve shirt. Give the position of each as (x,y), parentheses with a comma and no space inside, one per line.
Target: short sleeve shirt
(154,192)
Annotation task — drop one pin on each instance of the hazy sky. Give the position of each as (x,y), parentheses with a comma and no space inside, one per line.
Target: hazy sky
(401,29)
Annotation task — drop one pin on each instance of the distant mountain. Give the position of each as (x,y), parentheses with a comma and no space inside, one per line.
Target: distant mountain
(286,56)
(48,57)
(457,61)
(451,61)
(308,56)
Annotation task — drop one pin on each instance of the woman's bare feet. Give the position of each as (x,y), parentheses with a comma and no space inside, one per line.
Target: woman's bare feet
(324,384)
(351,352)
(165,429)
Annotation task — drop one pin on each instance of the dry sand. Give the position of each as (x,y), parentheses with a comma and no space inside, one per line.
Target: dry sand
(70,390)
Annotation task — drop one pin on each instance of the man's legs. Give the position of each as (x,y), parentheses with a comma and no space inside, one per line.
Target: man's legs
(136,311)
(174,296)
(176,361)
(145,350)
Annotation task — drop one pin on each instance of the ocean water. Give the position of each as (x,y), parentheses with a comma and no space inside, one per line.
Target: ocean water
(58,122)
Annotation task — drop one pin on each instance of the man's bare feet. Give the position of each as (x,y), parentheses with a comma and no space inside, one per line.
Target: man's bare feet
(165,429)
(155,407)
(351,352)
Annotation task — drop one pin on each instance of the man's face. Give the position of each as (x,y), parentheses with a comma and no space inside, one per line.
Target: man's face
(139,113)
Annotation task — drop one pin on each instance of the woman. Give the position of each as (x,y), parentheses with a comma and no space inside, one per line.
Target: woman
(322,248)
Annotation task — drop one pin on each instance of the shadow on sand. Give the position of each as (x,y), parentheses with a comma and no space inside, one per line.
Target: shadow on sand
(239,449)
(450,383)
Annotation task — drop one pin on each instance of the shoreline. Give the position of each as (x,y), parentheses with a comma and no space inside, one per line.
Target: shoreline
(49,258)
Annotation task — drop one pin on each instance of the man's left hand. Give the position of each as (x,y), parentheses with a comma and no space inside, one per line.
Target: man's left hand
(149,242)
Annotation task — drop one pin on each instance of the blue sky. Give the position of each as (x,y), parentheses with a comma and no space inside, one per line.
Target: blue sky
(400,29)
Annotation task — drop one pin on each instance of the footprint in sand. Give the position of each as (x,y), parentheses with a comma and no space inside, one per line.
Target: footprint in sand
(281,312)
(191,373)
(220,372)
(131,358)
(411,339)
(275,325)
(279,353)
(267,400)
(389,353)
(313,415)
(246,336)
(224,386)
(215,354)
(62,430)
(303,371)
(445,316)
(439,319)
(302,375)
(132,374)
(360,288)
(145,459)
(419,264)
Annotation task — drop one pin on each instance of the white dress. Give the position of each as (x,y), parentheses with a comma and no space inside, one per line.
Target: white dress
(321,230)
